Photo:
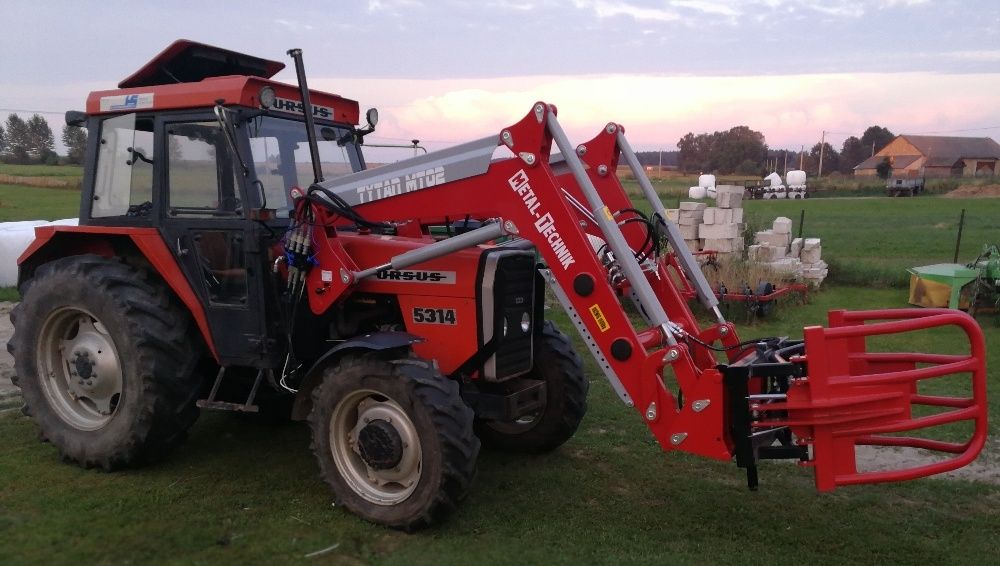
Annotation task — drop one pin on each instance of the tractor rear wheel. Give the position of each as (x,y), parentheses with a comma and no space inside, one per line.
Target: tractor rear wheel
(393,439)
(104,361)
(566,386)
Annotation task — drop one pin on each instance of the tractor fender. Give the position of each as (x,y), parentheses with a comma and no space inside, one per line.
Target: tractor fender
(374,342)
(140,246)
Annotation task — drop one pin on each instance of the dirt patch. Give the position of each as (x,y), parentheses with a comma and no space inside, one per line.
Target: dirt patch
(986,468)
(975,191)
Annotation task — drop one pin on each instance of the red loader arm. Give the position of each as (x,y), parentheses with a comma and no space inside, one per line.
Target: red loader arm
(813,400)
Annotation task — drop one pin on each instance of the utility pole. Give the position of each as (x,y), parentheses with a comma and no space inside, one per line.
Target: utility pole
(659,169)
(784,169)
(802,156)
(822,146)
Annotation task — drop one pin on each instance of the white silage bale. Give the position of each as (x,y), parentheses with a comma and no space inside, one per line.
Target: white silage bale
(706,181)
(13,242)
(21,224)
(697,192)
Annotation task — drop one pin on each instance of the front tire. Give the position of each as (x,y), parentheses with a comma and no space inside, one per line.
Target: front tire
(566,386)
(393,439)
(104,361)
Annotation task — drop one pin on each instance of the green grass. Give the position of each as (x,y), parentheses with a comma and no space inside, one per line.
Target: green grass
(871,242)
(19,202)
(238,491)
(42,170)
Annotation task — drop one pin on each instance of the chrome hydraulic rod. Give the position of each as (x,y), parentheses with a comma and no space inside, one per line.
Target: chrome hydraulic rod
(684,255)
(436,250)
(612,233)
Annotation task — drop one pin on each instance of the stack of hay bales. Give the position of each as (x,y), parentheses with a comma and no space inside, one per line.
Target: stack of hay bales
(722,225)
(796,259)
(688,218)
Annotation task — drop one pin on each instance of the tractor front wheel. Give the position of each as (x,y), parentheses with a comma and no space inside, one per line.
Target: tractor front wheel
(566,386)
(104,360)
(393,439)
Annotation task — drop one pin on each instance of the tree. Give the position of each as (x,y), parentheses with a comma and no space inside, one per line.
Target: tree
(17,139)
(724,152)
(75,140)
(876,137)
(884,168)
(831,159)
(852,153)
(3,141)
(41,143)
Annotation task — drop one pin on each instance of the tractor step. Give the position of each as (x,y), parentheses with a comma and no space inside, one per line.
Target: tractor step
(246,407)
(224,406)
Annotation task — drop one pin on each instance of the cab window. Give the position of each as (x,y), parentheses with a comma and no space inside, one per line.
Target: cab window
(123,180)
(200,174)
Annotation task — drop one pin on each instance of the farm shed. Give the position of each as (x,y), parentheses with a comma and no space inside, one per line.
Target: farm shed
(936,156)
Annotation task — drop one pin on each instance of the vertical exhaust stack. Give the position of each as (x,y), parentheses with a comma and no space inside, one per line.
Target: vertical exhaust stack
(300,73)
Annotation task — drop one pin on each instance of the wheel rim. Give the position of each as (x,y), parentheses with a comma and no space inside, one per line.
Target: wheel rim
(80,370)
(390,477)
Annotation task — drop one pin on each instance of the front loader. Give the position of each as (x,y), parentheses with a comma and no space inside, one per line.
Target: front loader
(235,252)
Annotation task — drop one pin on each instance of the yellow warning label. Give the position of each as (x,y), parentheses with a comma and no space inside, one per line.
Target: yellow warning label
(602,323)
(607,212)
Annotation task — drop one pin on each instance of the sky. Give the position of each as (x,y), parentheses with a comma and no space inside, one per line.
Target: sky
(448,71)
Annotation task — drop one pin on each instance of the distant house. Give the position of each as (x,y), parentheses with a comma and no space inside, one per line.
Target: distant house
(936,156)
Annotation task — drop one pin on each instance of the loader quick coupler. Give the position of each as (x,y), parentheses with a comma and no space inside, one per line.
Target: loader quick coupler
(747,387)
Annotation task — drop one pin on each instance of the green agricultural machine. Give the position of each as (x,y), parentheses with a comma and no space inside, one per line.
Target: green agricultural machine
(970,287)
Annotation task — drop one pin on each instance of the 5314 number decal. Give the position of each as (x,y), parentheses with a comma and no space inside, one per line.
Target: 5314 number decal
(433,316)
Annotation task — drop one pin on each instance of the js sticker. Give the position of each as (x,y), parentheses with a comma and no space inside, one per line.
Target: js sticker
(433,316)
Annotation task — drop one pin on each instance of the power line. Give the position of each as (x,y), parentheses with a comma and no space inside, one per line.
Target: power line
(25,110)
(956,131)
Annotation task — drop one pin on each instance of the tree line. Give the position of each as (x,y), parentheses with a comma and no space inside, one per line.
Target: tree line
(31,141)
(743,151)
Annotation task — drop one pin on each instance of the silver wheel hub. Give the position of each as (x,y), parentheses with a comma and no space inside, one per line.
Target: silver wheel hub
(375,447)
(80,370)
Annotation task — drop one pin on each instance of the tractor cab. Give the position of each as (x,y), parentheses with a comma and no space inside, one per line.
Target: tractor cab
(202,146)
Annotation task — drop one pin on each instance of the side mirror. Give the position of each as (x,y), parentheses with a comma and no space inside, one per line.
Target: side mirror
(372,117)
(77,119)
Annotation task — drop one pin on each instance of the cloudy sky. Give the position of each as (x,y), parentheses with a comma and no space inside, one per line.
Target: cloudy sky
(448,71)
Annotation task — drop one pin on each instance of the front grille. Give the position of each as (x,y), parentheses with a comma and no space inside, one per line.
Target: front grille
(507,296)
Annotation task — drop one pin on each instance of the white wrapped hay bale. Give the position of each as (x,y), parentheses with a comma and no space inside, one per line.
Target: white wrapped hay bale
(706,181)
(15,237)
(697,192)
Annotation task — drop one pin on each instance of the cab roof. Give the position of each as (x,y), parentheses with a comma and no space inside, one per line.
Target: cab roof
(186,61)
(192,75)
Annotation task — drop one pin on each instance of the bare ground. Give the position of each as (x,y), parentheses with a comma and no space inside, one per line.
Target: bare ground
(975,191)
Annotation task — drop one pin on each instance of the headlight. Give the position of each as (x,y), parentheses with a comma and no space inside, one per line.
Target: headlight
(267,97)
(525,323)
(505,327)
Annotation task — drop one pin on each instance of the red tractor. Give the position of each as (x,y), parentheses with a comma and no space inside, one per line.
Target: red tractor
(236,253)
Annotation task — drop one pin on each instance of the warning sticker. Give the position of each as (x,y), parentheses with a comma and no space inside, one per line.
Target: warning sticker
(602,323)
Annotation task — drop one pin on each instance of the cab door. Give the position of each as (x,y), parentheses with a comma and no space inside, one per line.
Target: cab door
(205,222)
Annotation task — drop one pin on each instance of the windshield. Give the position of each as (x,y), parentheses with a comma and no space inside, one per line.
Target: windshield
(281,157)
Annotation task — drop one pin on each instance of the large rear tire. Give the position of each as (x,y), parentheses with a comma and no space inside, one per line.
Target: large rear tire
(393,439)
(566,386)
(104,359)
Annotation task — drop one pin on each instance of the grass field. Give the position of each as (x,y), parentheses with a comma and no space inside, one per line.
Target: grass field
(241,492)
(238,491)
(19,202)
(41,170)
